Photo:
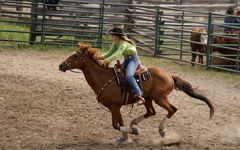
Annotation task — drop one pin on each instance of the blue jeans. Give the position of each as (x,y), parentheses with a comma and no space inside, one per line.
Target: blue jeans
(131,64)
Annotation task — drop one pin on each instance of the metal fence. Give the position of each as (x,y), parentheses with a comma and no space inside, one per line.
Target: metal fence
(221,50)
(161,31)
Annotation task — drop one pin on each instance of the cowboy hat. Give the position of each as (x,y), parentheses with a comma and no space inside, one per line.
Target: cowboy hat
(116,31)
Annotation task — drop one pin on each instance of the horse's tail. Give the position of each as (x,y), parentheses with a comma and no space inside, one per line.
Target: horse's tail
(186,87)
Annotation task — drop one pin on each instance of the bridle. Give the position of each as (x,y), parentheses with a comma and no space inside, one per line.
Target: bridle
(69,64)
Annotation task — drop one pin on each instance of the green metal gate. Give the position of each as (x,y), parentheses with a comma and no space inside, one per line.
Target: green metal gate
(72,22)
(173,31)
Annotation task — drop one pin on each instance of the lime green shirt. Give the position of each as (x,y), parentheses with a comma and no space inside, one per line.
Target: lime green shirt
(119,48)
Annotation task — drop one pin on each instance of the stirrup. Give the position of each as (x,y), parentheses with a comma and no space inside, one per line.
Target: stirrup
(140,100)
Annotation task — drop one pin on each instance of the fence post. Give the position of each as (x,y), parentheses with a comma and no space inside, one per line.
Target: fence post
(43,21)
(19,9)
(238,56)
(237,3)
(129,17)
(182,35)
(101,22)
(156,32)
(1,8)
(209,41)
(34,18)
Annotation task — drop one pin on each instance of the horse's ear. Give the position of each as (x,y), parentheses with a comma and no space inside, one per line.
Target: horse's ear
(83,47)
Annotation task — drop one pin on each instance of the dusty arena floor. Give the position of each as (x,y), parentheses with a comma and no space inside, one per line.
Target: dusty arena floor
(42,108)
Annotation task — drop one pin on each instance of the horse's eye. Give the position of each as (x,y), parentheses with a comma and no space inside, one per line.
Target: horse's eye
(75,56)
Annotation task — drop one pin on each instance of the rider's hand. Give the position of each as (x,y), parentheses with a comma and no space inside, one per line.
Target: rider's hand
(100,58)
(101,62)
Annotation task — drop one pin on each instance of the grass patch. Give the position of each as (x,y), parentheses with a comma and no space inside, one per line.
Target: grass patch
(37,48)
(13,35)
(16,32)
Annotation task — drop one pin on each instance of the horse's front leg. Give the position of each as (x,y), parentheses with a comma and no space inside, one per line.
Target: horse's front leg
(117,123)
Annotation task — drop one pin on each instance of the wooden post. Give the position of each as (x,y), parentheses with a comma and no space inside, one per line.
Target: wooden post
(1,8)
(34,19)
(19,8)
(129,17)
(177,2)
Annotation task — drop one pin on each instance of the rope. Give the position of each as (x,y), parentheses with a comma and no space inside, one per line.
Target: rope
(101,90)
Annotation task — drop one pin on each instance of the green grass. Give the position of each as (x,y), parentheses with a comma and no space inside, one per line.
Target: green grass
(13,35)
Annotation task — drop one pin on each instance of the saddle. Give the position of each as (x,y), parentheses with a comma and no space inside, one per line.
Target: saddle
(142,74)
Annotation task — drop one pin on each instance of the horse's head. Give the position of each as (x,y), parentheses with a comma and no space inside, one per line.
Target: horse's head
(78,59)
(74,61)
(204,39)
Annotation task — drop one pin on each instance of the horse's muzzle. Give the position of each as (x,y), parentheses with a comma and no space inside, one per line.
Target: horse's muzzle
(63,67)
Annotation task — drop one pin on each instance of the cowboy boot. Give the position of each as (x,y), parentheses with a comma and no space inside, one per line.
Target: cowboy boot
(140,100)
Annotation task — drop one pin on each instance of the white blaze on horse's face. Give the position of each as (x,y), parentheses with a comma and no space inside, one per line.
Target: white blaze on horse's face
(203,39)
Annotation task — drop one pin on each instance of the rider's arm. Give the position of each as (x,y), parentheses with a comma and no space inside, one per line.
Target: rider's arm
(120,49)
(110,52)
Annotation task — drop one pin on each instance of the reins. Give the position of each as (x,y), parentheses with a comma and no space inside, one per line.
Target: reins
(104,86)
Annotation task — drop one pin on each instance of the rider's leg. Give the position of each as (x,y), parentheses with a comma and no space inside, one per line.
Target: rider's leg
(130,71)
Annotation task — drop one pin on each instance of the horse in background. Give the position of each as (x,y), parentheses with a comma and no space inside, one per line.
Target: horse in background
(231,38)
(198,35)
(234,41)
(103,81)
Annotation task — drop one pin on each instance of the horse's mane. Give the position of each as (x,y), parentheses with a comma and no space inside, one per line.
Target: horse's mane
(92,53)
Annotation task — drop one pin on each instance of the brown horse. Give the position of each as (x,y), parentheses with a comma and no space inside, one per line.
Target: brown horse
(218,40)
(102,81)
(198,35)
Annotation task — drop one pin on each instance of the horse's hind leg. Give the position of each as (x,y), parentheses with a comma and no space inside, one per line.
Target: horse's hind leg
(171,110)
(150,112)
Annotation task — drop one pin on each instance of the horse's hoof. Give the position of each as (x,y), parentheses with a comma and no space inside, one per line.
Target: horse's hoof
(162,132)
(135,131)
(122,140)
(132,124)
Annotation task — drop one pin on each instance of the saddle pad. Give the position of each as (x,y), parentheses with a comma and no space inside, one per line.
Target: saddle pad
(142,73)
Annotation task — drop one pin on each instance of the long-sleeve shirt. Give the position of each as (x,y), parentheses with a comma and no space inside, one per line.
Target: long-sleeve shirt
(119,48)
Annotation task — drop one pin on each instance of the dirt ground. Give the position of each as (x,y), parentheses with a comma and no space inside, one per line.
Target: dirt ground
(42,108)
